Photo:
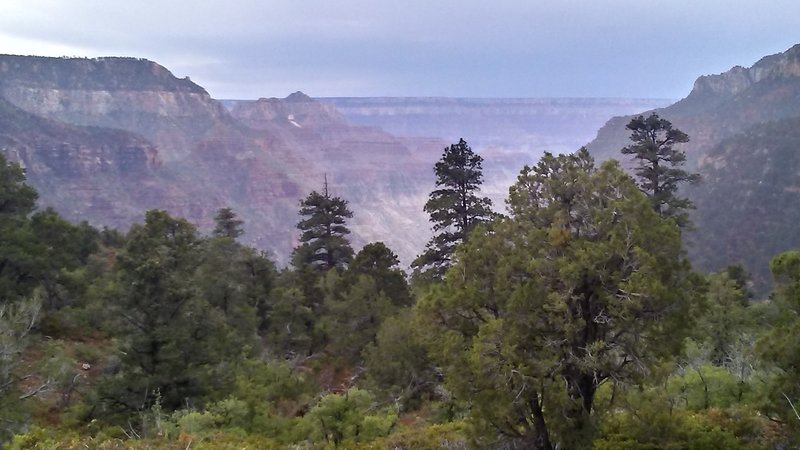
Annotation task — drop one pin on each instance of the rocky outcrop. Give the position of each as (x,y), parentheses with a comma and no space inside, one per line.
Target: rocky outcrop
(84,172)
(740,125)
(296,110)
(738,79)
(720,106)
(130,94)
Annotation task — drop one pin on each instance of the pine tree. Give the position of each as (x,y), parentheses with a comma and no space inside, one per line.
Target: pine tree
(658,164)
(227,224)
(454,207)
(324,244)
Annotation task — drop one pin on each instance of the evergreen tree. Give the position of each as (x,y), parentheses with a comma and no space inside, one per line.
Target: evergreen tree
(779,345)
(454,208)
(238,281)
(227,224)
(658,170)
(397,363)
(379,262)
(19,251)
(583,284)
(172,338)
(324,244)
(16,197)
(359,299)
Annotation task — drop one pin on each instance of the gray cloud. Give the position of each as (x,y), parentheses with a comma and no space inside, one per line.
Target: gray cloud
(511,48)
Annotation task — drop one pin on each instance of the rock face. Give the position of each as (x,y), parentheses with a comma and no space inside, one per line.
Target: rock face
(294,110)
(83,171)
(747,209)
(720,106)
(730,119)
(106,139)
(738,79)
(125,93)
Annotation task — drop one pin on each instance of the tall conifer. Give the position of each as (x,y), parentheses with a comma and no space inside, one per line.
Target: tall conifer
(324,242)
(454,207)
(658,172)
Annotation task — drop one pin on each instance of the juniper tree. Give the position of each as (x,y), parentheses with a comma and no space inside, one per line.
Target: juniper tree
(18,263)
(583,284)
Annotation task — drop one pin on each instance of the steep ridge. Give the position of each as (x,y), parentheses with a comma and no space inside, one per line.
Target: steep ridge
(260,163)
(83,171)
(131,94)
(386,179)
(740,125)
(720,106)
(209,160)
(747,208)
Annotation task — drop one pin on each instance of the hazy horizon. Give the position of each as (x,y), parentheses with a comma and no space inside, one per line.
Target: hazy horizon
(251,49)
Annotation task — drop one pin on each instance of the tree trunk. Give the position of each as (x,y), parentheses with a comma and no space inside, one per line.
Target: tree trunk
(540,439)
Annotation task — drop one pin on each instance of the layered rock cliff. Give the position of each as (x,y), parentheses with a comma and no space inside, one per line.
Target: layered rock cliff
(740,125)
(203,158)
(131,94)
(84,172)
(720,106)
(193,156)
(738,79)
(117,136)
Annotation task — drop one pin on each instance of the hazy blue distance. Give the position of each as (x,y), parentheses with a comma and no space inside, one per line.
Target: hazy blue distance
(503,48)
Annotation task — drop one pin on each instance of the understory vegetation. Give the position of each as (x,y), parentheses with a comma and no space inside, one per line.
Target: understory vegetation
(574,321)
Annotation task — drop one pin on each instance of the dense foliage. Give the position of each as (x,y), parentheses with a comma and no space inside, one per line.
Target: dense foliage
(574,322)
(583,284)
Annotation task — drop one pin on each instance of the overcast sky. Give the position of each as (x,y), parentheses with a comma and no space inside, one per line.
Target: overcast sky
(470,48)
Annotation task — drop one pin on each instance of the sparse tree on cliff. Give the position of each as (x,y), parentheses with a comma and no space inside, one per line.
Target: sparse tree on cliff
(454,207)
(324,244)
(658,172)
